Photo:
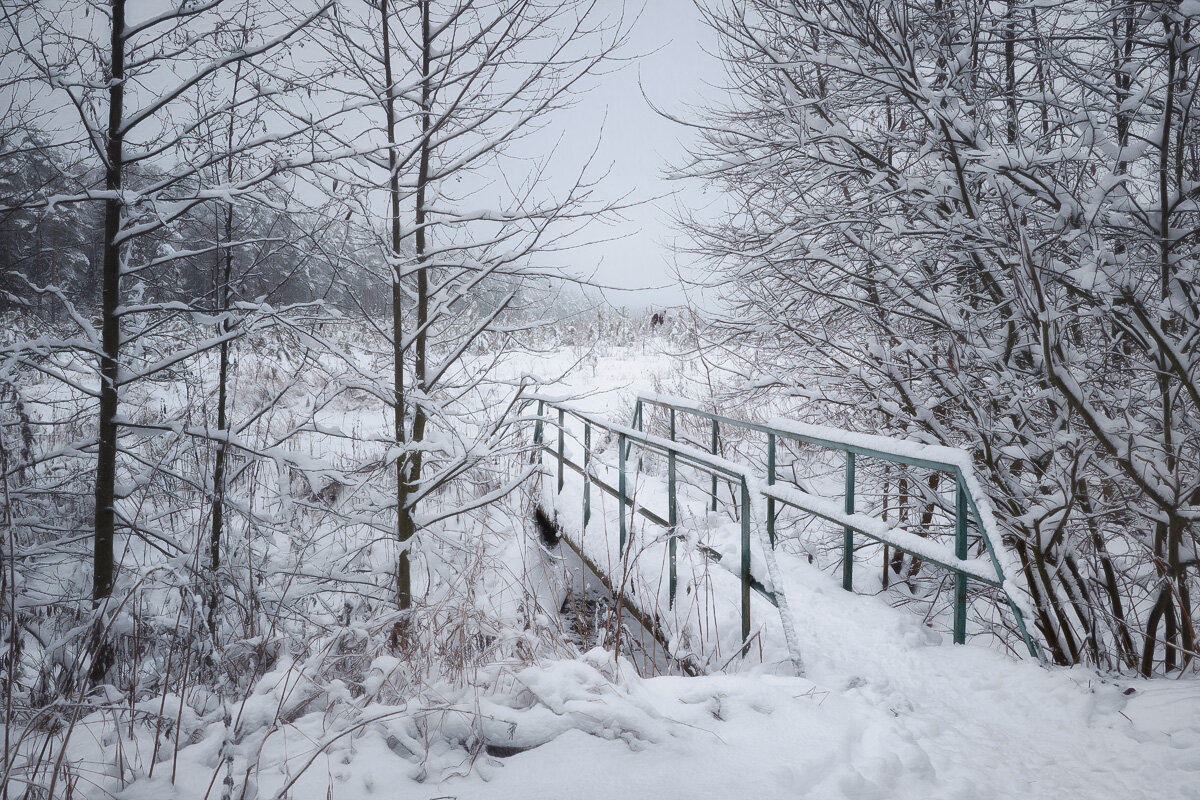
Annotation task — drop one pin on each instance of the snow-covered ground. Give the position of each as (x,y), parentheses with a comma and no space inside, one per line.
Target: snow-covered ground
(888,708)
(886,713)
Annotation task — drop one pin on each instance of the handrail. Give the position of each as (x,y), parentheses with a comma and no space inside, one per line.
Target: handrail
(658,444)
(883,447)
(943,459)
(657,519)
(874,529)
(937,458)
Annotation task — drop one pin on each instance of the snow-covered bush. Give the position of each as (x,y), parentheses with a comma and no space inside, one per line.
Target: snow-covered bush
(973,224)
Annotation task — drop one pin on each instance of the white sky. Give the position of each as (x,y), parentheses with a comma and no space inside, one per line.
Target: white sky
(675,73)
(636,144)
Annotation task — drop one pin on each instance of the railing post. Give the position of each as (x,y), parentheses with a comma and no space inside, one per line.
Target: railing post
(621,489)
(714,477)
(640,425)
(672,516)
(960,552)
(887,487)
(771,482)
(672,521)
(745,566)
(637,425)
(561,452)
(847,533)
(537,433)
(587,482)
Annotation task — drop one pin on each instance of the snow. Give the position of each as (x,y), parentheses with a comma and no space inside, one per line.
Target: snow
(887,707)
(943,457)
(886,713)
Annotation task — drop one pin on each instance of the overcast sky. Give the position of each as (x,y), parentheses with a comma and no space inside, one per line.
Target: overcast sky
(676,69)
(676,73)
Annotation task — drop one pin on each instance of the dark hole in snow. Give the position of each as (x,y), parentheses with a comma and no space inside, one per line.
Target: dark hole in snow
(504,751)
(548,529)
(589,615)
(396,746)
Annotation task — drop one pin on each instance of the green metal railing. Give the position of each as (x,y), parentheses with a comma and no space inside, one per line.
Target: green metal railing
(966,509)
(740,478)
(675,453)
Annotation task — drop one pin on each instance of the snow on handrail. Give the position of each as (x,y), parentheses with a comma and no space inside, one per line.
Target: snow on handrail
(881,531)
(919,453)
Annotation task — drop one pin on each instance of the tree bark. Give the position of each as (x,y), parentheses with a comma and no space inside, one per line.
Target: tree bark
(218,509)
(420,353)
(110,341)
(404,521)
(110,336)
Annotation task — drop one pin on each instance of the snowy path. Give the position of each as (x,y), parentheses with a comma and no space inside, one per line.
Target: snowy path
(990,726)
(887,711)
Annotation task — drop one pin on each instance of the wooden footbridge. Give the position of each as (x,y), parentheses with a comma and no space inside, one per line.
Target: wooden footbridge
(714,539)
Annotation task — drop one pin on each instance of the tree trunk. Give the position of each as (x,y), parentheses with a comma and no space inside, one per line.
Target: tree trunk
(110,343)
(218,509)
(404,521)
(420,353)
(1165,551)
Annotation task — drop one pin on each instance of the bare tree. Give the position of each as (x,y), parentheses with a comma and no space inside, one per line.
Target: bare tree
(444,93)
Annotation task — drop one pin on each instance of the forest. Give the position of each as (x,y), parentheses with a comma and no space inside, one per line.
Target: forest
(292,291)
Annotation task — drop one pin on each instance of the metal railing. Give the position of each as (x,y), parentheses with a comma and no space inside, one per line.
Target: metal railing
(675,453)
(740,477)
(940,459)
